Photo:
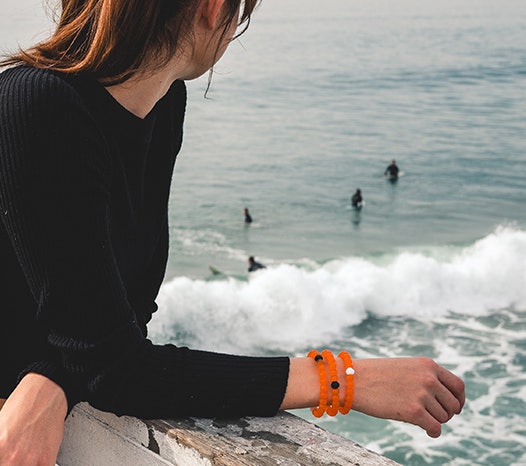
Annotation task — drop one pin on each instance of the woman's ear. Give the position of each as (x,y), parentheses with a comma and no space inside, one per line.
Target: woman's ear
(211,12)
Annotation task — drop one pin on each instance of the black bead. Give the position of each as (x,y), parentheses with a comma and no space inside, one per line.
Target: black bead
(335,385)
(318,357)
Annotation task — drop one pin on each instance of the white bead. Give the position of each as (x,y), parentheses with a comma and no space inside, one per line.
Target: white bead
(349,371)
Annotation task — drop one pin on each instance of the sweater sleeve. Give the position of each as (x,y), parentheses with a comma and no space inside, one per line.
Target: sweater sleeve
(54,196)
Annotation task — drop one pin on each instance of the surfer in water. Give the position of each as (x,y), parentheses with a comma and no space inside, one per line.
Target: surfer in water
(248,217)
(253,265)
(357,200)
(392,170)
(84,240)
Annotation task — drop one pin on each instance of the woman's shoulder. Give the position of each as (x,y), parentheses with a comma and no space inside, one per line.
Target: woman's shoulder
(26,79)
(39,95)
(25,87)
(43,113)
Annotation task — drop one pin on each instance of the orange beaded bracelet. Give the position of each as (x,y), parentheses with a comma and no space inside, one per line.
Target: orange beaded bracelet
(324,395)
(349,378)
(332,410)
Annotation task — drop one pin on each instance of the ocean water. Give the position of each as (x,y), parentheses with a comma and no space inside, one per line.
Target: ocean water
(306,107)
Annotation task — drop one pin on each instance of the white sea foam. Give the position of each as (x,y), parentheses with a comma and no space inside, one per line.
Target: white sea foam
(486,276)
(286,305)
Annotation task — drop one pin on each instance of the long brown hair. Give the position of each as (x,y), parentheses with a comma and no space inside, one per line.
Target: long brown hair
(111,39)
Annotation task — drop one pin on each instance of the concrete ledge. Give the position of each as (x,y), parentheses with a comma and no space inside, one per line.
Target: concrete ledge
(97,438)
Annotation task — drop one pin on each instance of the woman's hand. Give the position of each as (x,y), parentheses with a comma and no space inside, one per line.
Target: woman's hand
(32,423)
(414,390)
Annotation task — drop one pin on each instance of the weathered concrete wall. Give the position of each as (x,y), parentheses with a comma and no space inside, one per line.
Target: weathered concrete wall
(95,438)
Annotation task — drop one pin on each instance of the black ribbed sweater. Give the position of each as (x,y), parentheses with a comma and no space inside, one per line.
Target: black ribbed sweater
(84,187)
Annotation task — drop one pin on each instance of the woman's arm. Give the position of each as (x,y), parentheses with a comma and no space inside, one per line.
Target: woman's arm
(32,423)
(414,390)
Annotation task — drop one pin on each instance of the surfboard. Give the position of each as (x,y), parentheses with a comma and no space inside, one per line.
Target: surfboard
(358,207)
(393,178)
(215,271)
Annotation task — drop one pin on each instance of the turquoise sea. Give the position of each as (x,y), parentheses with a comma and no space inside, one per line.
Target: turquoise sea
(306,107)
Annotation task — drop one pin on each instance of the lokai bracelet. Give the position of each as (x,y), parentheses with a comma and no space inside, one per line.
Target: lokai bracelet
(324,395)
(349,378)
(332,410)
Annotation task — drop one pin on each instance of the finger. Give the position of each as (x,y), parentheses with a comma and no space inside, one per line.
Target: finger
(454,384)
(437,410)
(448,403)
(435,431)
(429,423)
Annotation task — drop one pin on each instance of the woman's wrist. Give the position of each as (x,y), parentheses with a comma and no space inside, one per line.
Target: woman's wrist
(303,388)
(38,391)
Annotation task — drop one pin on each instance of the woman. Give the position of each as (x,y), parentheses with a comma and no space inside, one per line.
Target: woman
(91,123)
